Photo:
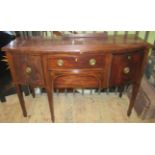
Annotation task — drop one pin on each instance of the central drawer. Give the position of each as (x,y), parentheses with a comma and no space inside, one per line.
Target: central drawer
(75,61)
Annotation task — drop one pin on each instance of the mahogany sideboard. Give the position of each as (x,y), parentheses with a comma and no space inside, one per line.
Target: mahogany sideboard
(80,62)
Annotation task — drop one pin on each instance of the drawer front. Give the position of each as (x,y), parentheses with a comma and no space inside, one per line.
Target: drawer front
(77,79)
(125,67)
(73,62)
(28,69)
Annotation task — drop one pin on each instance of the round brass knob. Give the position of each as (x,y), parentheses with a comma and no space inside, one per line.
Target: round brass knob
(76,59)
(129,57)
(126,70)
(92,62)
(28,70)
(60,62)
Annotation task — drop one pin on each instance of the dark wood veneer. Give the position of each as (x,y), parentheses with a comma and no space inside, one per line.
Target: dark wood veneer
(22,62)
(132,60)
(77,62)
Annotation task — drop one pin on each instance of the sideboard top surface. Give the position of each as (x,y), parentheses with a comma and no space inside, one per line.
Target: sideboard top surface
(37,44)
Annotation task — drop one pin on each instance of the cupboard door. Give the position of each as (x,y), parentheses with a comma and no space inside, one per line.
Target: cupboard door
(20,64)
(36,73)
(28,69)
(125,67)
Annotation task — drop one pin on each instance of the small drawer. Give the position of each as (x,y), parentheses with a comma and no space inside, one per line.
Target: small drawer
(73,62)
(91,61)
(60,62)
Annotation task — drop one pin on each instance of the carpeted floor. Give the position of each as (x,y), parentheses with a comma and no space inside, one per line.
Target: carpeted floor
(70,109)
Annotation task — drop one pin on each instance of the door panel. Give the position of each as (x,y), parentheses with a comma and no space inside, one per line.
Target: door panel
(20,64)
(36,76)
(125,67)
(28,69)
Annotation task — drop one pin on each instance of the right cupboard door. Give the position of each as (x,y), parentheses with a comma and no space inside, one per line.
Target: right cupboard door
(125,67)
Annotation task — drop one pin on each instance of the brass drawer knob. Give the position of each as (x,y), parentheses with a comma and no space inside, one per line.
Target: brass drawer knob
(126,70)
(129,57)
(60,62)
(76,59)
(92,62)
(28,70)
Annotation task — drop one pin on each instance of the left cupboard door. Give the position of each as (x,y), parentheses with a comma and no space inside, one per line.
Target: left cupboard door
(28,69)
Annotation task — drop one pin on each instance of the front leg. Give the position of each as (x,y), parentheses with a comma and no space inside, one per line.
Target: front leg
(49,91)
(135,90)
(21,99)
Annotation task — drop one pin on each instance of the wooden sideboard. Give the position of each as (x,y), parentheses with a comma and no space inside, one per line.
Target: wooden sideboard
(77,62)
